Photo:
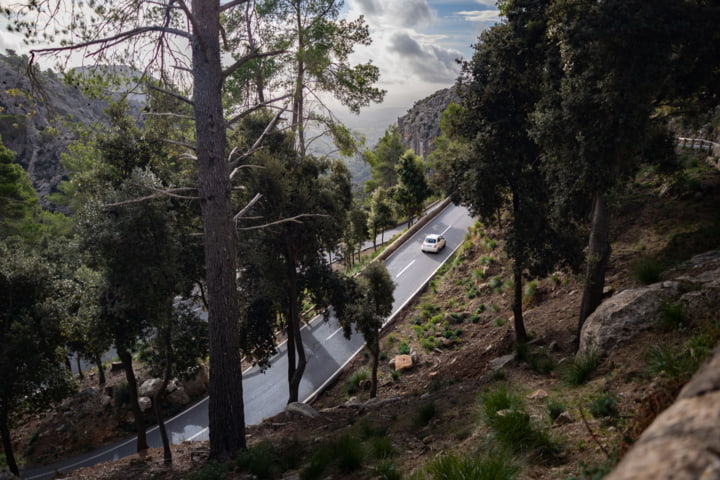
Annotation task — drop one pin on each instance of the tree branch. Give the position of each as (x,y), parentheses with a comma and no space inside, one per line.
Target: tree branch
(159,193)
(257,107)
(295,219)
(171,94)
(253,55)
(232,4)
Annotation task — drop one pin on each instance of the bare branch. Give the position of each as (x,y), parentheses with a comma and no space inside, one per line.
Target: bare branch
(159,193)
(171,94)
(257,145)
(113,40)
(232,4)
(247,207)
(181,144)
(295,219)
(257,107)
(169,114)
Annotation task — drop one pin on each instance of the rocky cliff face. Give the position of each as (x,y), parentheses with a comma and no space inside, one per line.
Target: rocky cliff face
(39,123)
(421,125)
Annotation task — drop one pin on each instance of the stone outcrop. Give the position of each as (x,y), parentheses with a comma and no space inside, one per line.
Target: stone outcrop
(39,122)
(621,317)
(420,126)
(682,443)
(624,315)
(150,387)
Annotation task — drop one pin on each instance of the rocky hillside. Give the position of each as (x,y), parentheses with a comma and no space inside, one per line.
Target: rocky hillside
(39,122)
(421,125)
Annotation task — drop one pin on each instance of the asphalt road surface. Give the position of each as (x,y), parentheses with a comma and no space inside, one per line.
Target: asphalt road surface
(327,350)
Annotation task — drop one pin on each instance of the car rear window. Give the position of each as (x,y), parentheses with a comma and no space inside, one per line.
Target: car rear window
(430,240)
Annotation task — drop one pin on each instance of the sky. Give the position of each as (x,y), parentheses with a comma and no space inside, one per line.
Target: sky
(415,45)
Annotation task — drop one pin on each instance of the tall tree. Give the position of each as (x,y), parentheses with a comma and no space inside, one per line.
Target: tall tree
(412,188)
(383,159)
(303,214)
(114,33)
(31,340)
(370,302)
(496,169)
(381,214)
(317,63)
(608,62)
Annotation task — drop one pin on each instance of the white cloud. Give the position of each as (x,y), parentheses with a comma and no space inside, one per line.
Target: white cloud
(487,3)
(399,13)
(483,16)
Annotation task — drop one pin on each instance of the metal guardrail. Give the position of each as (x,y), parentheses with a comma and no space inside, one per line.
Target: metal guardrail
(712,148)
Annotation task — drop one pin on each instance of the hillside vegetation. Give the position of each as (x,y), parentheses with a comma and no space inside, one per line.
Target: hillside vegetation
(475,406)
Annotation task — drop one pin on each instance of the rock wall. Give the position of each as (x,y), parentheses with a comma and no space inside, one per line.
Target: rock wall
(38,122)
(421,125)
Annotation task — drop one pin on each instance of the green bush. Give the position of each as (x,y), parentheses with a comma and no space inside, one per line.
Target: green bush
(581,368)
(647,271)
(457,467)
(555,407)
(424,414)
(344,453)
(673,315)
(386,470)
(382,447)
(355,381)
(404,348)
(121,394)
(264,460)
(212,471)
(604,405)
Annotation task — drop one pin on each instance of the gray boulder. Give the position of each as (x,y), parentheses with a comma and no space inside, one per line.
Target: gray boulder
(301,409)
(150,387)
(621,317)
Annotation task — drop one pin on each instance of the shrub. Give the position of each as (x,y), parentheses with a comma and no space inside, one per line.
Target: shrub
(386,470)
(424,414)
(647,271)
(345,453)
(355,381)
(673,315)
(604,405)
(555,407)
(382,447)
(404,348)
(212,471)
(121,394)
(530,291)
(514,430)
(581,368)
(541,362)
(492,466)
(264,460)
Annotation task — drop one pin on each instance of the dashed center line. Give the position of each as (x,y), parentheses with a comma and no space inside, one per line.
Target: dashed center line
(404,269)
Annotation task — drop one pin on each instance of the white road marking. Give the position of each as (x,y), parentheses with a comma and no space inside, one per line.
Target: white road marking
(404,269)
(445,231)
(333,334)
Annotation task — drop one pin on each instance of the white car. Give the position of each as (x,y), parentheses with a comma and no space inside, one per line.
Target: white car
(433,243)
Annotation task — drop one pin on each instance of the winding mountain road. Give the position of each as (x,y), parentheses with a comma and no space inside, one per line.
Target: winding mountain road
(265,392)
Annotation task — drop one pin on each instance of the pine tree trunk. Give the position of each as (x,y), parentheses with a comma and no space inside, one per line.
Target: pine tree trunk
(597,260)
(517,307)
(160,396)
(226,408)
(79,367)
(7,443)
(126,359)
(101,370)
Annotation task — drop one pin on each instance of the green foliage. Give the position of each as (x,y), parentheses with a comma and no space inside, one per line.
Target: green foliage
(355,381)
(673,315)
(386,470)
(404,348)
(266,460)
(530,292)
(581,368)
(412,189)
(381,447)
(344,453)
(603,405)
(121,394)
(680,363)
(491,466)
(384,158)
(214,470)
(424,414)
(647,271)
(555,407)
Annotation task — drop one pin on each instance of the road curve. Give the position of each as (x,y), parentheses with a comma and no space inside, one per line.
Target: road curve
(265,392)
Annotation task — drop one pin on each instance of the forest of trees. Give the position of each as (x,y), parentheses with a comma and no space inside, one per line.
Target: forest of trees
(215,194)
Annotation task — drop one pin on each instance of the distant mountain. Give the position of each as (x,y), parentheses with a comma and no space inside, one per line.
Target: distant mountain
(37,122)
(421,125)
